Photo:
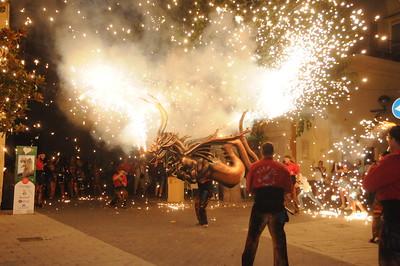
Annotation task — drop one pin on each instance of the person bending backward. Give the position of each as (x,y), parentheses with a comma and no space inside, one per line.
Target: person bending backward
(384,179)
(268,180)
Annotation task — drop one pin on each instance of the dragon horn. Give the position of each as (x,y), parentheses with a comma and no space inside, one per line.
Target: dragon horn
(163,113)
(243,139)
(164,118)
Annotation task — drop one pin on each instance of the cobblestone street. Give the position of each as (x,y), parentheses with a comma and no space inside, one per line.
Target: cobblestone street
(88,232)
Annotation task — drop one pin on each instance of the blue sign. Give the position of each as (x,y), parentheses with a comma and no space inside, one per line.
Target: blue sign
(396,108)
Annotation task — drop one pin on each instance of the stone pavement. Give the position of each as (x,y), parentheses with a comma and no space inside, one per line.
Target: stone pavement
(88,232)
(39,240)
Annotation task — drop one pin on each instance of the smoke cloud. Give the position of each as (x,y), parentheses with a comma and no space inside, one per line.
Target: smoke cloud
(117,60)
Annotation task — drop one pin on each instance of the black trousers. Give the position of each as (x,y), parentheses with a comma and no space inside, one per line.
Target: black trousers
(275,222)
(389,244)
(204,195)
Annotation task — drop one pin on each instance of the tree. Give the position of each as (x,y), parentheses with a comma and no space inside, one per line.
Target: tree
(18,86)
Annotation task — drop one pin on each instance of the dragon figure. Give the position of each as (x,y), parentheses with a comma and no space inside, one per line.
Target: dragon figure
(224,159)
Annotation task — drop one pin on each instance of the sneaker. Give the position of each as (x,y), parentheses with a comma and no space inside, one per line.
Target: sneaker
(374,240)
(204,225)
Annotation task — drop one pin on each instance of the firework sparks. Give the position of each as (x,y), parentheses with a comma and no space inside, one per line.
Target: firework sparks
(204,60)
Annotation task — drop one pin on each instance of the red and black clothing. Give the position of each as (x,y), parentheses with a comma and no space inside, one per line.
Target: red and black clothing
(384,180)
(40,173)
(294,170)
(268,180)
(120,180)
(120,183)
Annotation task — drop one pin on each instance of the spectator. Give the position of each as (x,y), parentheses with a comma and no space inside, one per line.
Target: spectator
(318,178)
(52,178)
(73,184)
(268,180)
(128,166)
(80,179)
(294,170)
(384,179)
(120,183)
(40,178)
(306,192)
(343,185)
(355,191)
(376,209)
(96,180)
(61,179)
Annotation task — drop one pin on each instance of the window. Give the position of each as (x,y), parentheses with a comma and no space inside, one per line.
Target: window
(395,44)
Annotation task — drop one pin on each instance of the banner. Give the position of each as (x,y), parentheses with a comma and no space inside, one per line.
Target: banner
(25,177)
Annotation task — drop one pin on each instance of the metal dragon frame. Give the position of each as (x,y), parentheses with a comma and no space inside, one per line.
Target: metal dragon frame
(224,159)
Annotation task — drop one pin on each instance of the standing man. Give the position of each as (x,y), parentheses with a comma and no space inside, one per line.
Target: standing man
(384,179)
(204,194)
(40,179)
(268,180)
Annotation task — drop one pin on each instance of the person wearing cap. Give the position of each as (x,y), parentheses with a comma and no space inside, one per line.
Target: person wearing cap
(268,180)
(384,180)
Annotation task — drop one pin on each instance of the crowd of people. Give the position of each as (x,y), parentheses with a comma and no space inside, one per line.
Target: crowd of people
(135,176)
(58,177)
(340,188)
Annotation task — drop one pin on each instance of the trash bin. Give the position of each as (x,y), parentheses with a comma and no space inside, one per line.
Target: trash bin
(176,190)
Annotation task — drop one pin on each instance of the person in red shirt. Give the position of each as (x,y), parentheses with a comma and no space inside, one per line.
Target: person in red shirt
(120,182)
(384,180)
(268,180)
(40,179)
(294,170)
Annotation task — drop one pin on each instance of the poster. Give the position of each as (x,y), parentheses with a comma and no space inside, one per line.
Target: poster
(25,163)
(24,197)
(25,177)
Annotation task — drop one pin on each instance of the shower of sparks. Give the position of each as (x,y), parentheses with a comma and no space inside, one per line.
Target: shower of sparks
(341,191)
(202,59)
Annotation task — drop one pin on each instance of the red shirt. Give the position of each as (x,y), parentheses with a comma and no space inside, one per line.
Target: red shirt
(267,172)
(384,178)
(293,168)
(120,180)
(39,165)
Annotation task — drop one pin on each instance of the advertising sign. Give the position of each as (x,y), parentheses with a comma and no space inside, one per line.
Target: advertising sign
(25,177)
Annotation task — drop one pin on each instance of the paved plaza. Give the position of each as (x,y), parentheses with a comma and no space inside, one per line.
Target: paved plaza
(91,233)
